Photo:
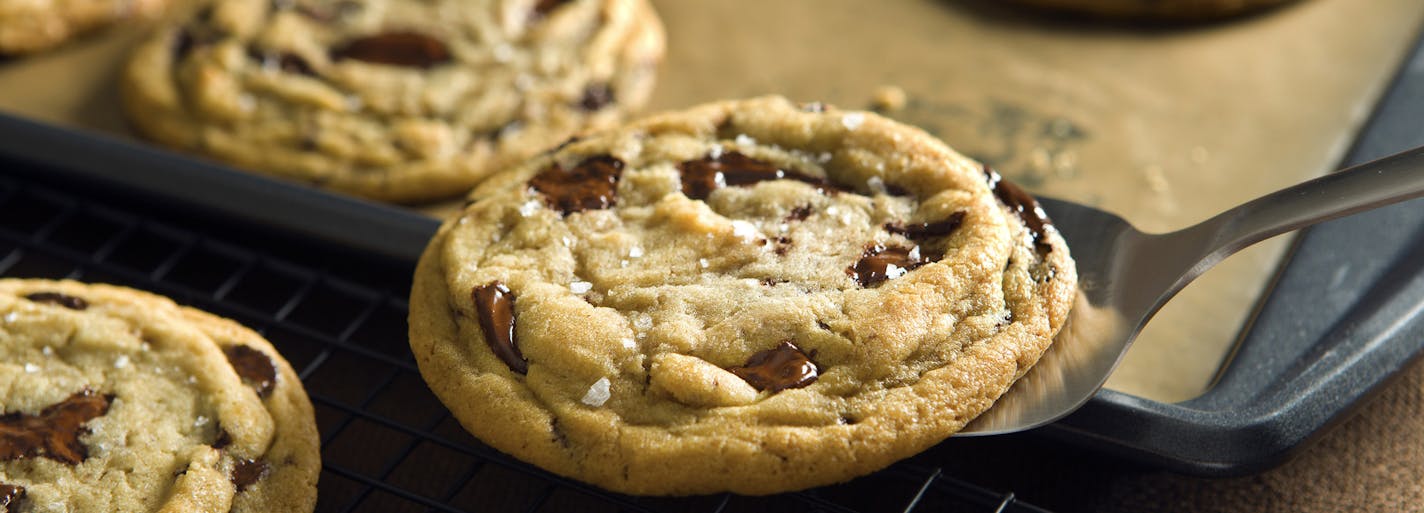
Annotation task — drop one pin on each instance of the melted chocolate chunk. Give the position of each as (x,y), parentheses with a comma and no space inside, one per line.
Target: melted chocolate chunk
(55,432)
(410,49)
(544,7)
(733,169)
(10,495)
(591,185)
(55,298)
(927,230)
(596,97)
(779,368)
(494,304)
(880,263)
(245,473)
(1023,204)
(254,367)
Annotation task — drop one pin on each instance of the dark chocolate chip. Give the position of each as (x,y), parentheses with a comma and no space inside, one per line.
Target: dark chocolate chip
(896,190)
(10,495)
(927,230)
(55,432)
(409,49)
(245,473)
(196,34)
(596,97)
(799,213)
(880,263)
(55,298)
(183,44)
(591,185)
(733,169)
(254,367)
(1023,204)
(223,440)
(779,368)
(783,244)
(494,304)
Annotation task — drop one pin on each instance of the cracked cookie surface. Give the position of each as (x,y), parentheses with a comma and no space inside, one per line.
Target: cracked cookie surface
(748,296)
(119,400)
(395,100)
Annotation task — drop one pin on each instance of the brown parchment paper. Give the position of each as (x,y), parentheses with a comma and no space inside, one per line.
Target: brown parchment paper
(1164,125)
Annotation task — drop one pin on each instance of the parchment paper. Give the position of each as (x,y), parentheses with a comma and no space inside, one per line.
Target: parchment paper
(1164,125)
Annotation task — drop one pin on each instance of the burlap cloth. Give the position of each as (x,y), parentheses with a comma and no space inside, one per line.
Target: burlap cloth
(1372,462)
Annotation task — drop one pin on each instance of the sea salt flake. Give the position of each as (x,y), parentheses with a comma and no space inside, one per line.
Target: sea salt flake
(716,152)
(744,229)
(528,208)
(852,120)
(635,252)
(31,368)
(12,317)
(876,185)
(121,362)
(597,394)
(642,321)
(745,140)
(200,421)
(47,351)
(824,157)
(580,287)
(629,343)
(914,253)
(702,262)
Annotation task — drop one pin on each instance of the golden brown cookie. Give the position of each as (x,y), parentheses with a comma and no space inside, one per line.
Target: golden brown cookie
(750,296)
(118,400)
(33,25)
(395,100)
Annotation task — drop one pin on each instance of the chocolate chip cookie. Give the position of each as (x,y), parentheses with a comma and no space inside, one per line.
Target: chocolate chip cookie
(751,296)
(33,25)
(1166,10)
(395,100)
(119,400)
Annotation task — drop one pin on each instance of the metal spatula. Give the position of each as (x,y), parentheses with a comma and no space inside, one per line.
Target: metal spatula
(1125,276)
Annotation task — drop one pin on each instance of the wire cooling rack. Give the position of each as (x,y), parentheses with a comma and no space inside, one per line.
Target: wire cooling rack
(388,445)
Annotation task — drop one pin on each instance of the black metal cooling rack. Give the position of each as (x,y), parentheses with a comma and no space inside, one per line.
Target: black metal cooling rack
(388,445)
